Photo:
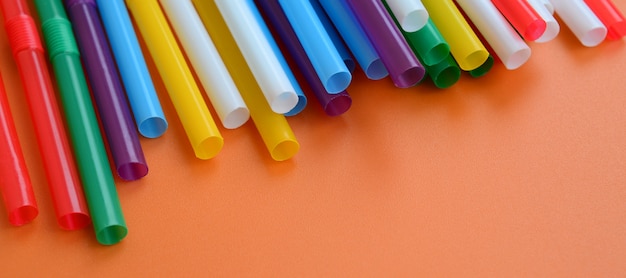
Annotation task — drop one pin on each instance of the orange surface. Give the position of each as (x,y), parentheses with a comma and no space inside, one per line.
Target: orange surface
(518,173)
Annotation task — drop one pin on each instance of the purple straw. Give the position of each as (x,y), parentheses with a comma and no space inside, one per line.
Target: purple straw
(404,68)
(333,104)
(107,89)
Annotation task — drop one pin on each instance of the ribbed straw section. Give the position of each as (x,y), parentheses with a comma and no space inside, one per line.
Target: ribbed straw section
(59,37)
(22,34)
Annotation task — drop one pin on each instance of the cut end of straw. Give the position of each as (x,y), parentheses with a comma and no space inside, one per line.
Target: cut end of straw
(338,82)
(474,60)
(376,70)
(409,77)
(414,20)
(447,77)
(535,30)
(594,36)
(236,118)
(132,171)
(153,127)
(209,147)
(338,105)
(517,59)
(285,150)
(111,235)
(284,102)
(23,215)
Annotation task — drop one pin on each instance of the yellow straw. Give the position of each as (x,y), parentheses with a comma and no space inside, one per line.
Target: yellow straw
(200,127)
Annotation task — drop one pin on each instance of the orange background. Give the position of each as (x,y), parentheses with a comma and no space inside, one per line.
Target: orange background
(518,173)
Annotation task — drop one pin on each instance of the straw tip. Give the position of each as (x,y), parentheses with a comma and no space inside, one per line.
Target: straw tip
(153,127)
(285,150)
(209,147)
(23,215)
(112,234)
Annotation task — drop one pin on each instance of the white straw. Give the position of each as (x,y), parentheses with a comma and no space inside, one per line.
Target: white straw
(254,46)
(581,20)
(207,62)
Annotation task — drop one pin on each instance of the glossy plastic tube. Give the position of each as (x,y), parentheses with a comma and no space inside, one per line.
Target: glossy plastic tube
(80,116)
(273,128)
(581,21)
(523,18)
(404,68)
(317,43)
(333,104)
(467,49)
(552,26)
(15,185)
(355,37)
(142,96)
(207,63)
(334,36)
(193,112)
(302,100)
(444,74)
(612,18)
(67,194)
(506,43)
(255,47)
(411,14)
(107,90)
(428,44)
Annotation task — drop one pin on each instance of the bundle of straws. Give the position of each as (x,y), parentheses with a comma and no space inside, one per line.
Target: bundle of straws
(244,53)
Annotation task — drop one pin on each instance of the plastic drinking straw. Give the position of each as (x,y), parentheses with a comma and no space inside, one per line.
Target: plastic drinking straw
(333,104)
(444,74)
(612,18)
(552,26)
(267,70)
(198,123)
(334,36)
(59,165)
(325,58)
(107,90)
(411,14)
(581,21)
(91,157)
(302,100)
(427,43)
(355,37)
(273,128)
(523,18)
(15,184)
(404,68)
(207,62)
(503,39)
(466,48)
(142,96)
